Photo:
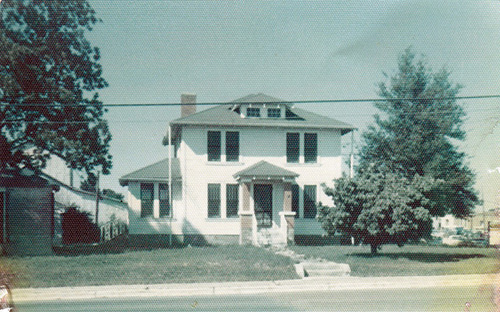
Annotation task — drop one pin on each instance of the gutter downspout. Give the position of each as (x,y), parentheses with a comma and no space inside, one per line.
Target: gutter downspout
(170,181)
(97,200)
(352,156)
(4,216)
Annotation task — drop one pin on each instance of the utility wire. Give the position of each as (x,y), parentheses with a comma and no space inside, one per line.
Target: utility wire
(494,96)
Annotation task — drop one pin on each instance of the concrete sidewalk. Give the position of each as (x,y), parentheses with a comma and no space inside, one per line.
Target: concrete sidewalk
(227,288)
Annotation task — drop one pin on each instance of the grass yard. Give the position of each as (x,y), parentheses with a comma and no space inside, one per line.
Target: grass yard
(240,263)
(408,260)
(183,265)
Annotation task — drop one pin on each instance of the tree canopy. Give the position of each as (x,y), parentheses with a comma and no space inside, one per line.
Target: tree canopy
(379,207)
(418,131)
(49,75)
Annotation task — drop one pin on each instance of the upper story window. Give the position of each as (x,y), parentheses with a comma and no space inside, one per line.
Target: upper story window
(147,198)
(273,112)
(292,147)
(253,112)
(310,147)
(213,145)
(232,146)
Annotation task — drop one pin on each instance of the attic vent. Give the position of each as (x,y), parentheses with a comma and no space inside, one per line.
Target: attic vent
(291,115)
(235,108)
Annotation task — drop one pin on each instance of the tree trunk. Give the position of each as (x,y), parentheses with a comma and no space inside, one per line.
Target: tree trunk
(374,249)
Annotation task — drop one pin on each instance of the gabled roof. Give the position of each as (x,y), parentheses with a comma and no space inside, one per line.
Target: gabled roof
(257,98)
(25,178)
(228,115)
(265,170)
(157,172)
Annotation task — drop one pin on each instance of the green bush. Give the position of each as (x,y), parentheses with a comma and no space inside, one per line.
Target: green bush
(77,227)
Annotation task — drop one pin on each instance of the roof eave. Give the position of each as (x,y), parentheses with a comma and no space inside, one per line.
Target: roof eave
(125,182)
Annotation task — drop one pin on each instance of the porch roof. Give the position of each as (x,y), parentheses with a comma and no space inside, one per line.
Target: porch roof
(157,172)
(266,171)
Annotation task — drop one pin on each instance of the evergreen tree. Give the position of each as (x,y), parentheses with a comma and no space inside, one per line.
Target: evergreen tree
(417,132)
(49,74)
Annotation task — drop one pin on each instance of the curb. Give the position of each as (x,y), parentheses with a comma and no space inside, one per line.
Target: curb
(256,287)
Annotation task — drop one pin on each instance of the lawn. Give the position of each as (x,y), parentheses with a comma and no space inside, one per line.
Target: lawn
(239,263)
(180,265)
(408,260)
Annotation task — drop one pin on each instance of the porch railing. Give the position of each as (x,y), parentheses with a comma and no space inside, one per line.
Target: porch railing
(111,230)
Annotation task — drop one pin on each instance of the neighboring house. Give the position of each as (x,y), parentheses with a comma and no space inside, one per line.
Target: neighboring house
(448,222)
(476,222)
(249,172)
(26,213)
(58,173)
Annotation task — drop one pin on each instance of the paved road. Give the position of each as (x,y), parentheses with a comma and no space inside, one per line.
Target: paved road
(384,299)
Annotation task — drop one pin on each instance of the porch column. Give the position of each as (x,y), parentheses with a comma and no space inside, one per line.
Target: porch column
(287,215)
(246,216)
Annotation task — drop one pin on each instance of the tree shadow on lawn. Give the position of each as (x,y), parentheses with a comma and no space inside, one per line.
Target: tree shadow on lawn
(421,256)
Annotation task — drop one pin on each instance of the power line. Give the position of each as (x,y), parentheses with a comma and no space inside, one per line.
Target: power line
(163,120)
(494,96)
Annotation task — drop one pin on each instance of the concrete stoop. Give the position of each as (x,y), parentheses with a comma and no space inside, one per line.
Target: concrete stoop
(270,238)
(317,268)
(314,267)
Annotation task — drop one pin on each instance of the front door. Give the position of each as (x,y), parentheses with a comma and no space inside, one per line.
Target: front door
(263,198)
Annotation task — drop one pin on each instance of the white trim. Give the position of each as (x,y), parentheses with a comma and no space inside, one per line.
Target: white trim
(4,215)
(224,163)
(156,200)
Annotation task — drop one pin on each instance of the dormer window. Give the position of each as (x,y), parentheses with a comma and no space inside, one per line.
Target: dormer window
(253,112)
(273,112)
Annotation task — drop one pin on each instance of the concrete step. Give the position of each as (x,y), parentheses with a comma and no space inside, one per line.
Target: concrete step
(270,237)
(325,268)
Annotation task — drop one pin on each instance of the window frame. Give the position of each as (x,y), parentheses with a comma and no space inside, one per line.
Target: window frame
(214,146)
(213,204)
(163,202)
(310,148)
(274,112)
(253,112)
(296,199)
(149,210)
(293,147)
(232,200)
(310,207)
(232,146)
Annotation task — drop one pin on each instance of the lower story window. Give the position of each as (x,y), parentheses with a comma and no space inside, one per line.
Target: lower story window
(213,200)
(295,199)
(232,200)
(310,201)
(164,200)
(147,199)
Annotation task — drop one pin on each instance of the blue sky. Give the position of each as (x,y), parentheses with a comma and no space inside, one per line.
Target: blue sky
(152,51)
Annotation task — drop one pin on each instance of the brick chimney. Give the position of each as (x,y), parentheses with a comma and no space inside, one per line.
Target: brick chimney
(187,110)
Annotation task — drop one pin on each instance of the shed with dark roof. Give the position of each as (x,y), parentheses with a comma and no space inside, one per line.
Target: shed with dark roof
(26,213)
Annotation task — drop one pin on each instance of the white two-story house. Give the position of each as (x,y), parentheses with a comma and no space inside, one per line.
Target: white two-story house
(247,172)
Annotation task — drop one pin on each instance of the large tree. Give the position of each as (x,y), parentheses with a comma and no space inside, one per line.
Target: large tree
(49,75)
(379,206)
(418,131)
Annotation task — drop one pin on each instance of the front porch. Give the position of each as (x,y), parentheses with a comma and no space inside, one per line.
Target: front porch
(266,216)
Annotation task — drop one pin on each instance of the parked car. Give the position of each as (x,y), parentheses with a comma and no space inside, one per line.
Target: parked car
(479,242)
(453,240)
